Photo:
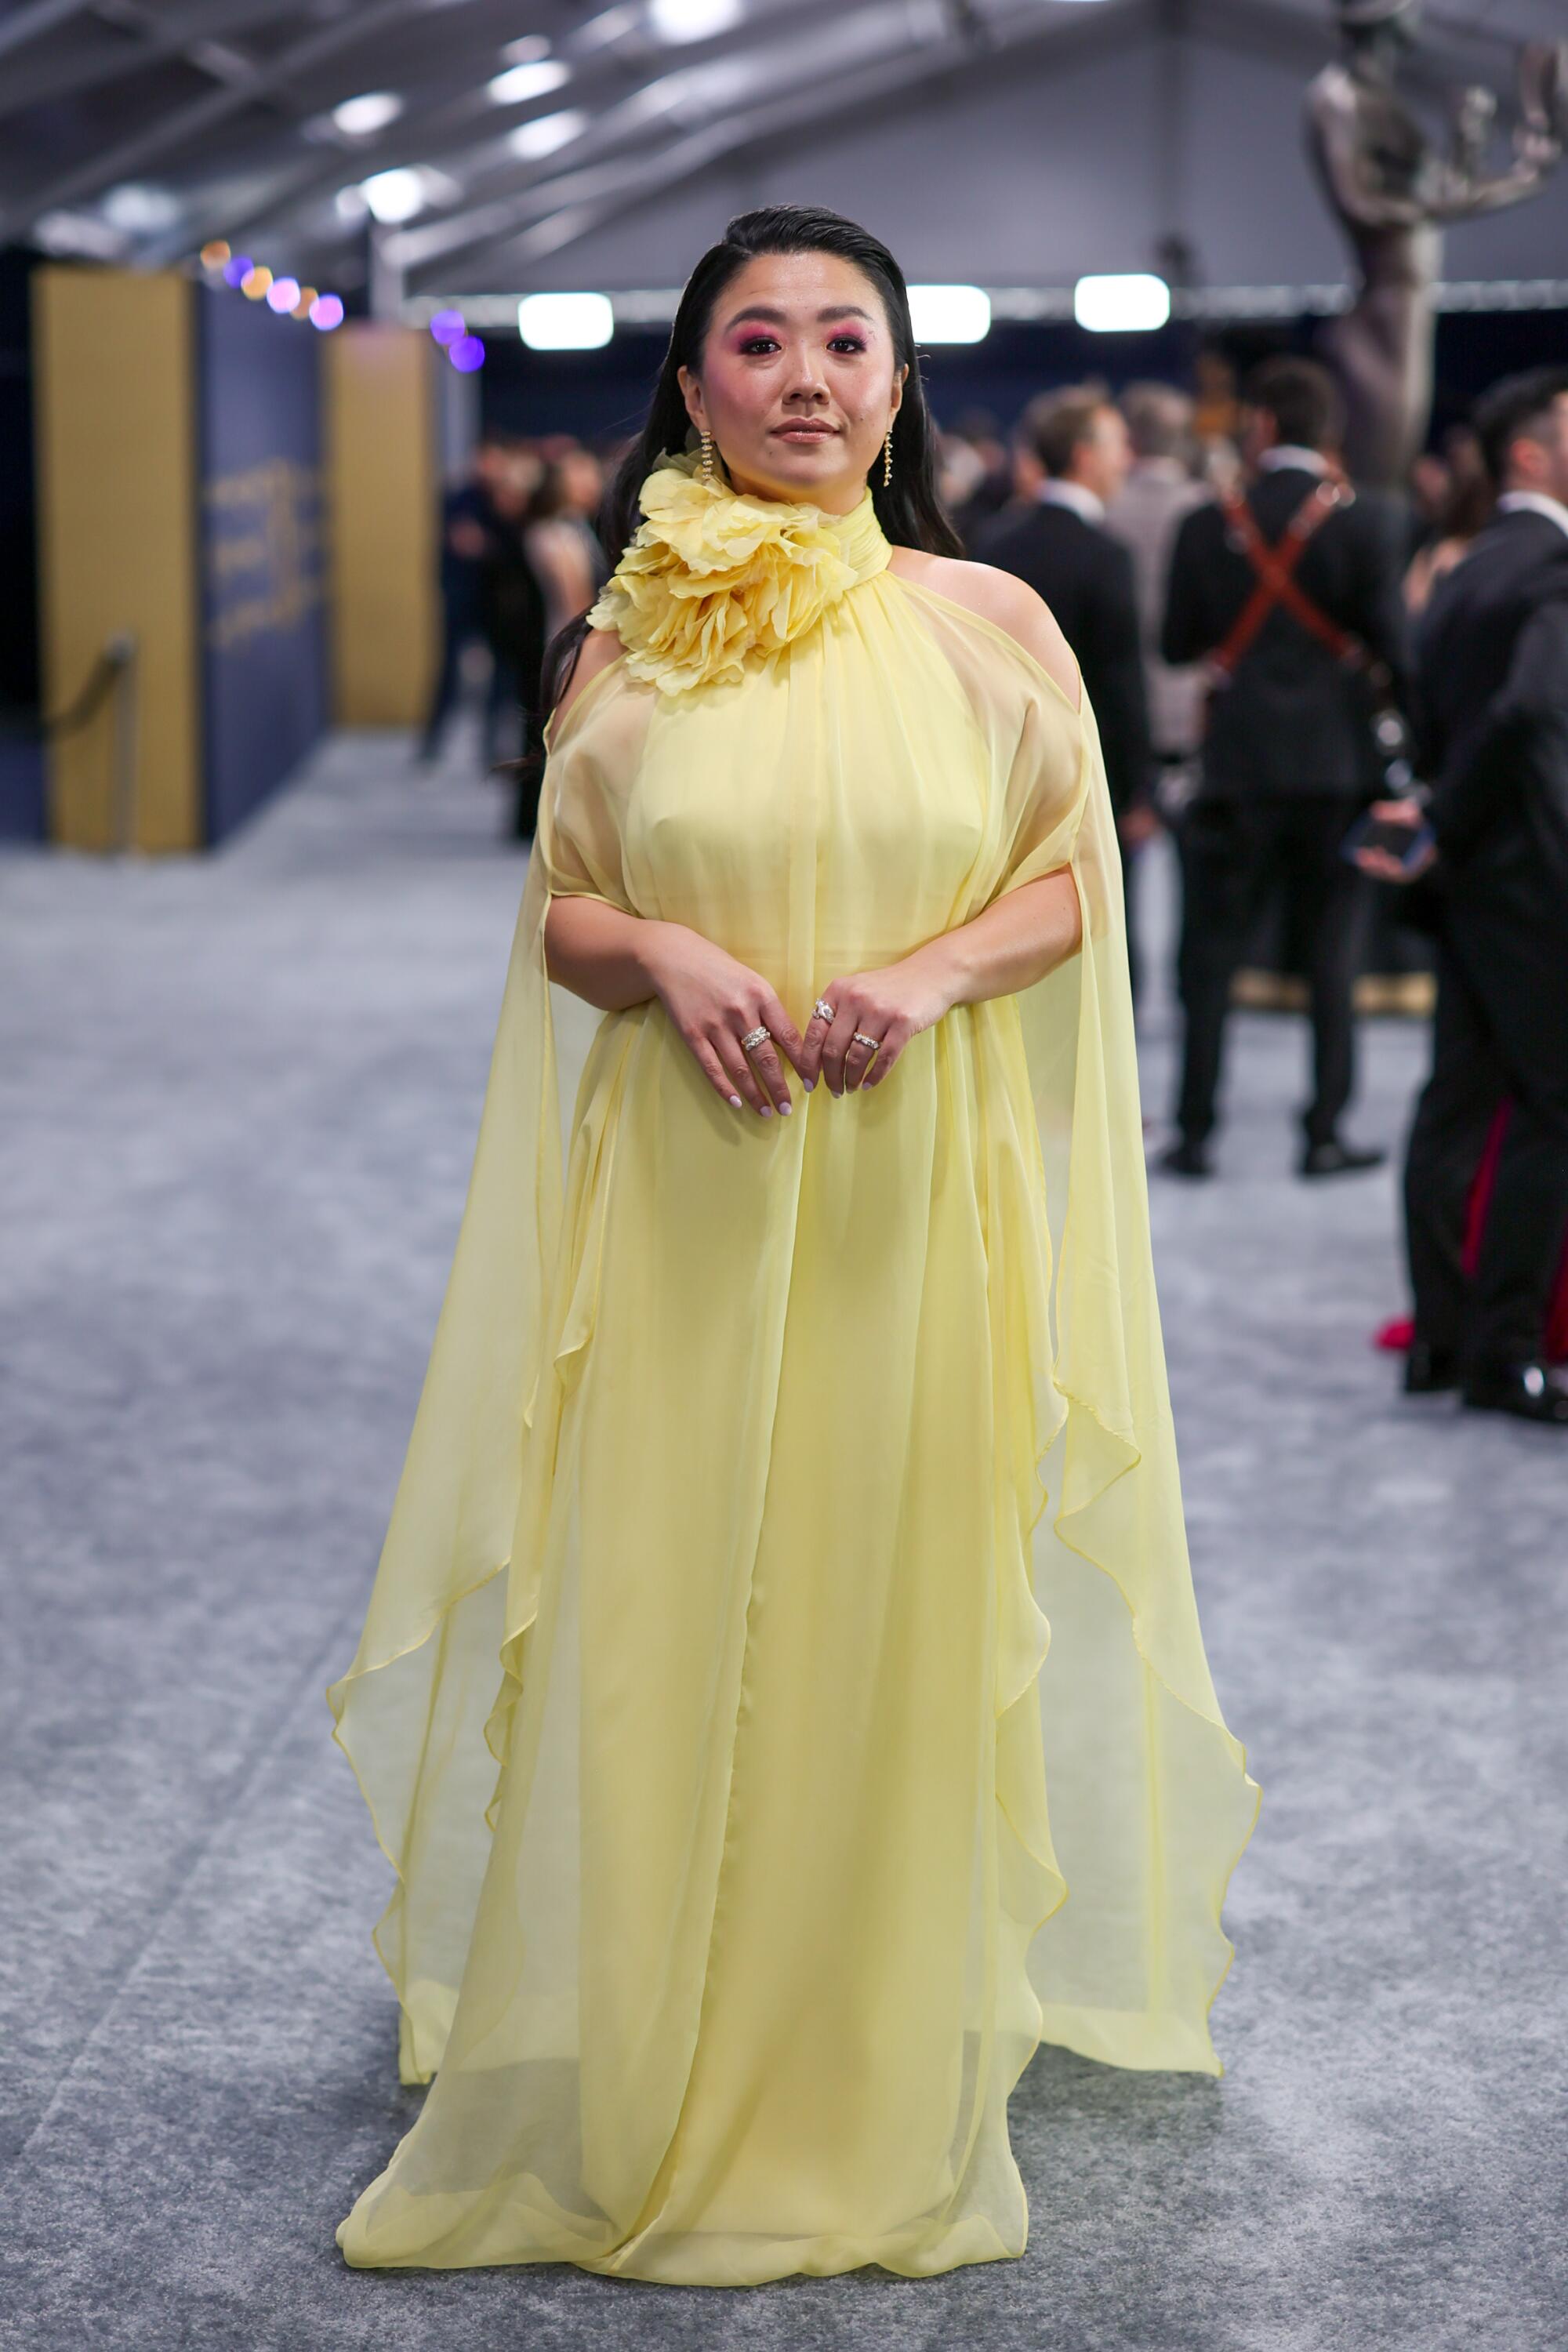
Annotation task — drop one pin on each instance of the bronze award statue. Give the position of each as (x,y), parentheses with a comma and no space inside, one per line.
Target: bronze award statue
(1394,192)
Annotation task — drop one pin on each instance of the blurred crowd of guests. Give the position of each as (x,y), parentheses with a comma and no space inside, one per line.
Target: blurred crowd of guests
(519,558)
(1273,655)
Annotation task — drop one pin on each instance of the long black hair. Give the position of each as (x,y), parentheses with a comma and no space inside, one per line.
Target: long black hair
(909,509)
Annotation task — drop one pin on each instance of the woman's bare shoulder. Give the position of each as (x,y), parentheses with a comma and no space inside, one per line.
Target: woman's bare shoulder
(598,650)
(1005,602)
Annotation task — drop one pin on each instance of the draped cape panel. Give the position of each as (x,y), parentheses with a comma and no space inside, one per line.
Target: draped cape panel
(782,1699)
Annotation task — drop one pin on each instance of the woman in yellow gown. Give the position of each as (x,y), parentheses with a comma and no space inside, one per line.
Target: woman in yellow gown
(748,1840)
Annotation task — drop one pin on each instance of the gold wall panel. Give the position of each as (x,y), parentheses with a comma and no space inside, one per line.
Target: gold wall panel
(115,393)
(382,496)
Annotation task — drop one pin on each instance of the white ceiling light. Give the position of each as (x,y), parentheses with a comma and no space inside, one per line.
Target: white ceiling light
(693,20)
(1132,304)
(546,132)
(140,211)
(396,196)
(526,52)
(534,78)
(950,314)
(77,233)
(362,118)
(565,322)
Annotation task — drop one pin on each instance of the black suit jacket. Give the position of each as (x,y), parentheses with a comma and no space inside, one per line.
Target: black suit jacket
(1493,714)
(1086,578)
(1293,719)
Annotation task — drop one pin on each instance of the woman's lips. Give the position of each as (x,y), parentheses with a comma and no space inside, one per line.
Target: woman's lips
(803,432)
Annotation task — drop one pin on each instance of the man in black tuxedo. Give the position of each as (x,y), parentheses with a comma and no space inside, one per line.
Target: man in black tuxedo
(1057,541)
(1289,757)
(1492,703)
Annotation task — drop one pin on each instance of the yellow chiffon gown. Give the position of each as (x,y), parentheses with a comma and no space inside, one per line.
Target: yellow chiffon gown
(782,1697)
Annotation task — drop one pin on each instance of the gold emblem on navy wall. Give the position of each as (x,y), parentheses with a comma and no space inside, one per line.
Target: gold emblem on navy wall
(264,551)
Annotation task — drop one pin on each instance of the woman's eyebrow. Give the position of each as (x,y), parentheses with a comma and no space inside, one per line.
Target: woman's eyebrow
(781,317)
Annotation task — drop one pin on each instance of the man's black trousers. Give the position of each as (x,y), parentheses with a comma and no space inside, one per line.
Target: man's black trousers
(1235,852)
(1500,1034)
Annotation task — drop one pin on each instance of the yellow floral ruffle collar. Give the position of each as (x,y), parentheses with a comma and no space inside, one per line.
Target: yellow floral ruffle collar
(714,584)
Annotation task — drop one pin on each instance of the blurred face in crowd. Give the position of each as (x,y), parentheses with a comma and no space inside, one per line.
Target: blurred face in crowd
(581,481)
(515,480)
(798,382)
(1538,461)
(1102,460)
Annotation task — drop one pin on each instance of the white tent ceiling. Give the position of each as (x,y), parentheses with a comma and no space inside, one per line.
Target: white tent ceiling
(1019,142)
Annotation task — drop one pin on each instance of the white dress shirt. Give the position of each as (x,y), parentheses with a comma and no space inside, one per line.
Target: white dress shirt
(1534,503)
(1056,493)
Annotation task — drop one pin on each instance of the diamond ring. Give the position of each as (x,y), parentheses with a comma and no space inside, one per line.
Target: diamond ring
(754,1037)
(860,1038)
(823,1010)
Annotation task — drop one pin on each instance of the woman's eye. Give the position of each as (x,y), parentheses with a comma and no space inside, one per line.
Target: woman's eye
(847,344)
(757,343)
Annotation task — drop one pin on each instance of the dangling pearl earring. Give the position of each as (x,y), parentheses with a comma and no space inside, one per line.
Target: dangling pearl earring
(887,459)
(705,472)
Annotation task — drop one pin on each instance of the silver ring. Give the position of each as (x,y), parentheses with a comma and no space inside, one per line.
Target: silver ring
(754,1037)
(860,1038)
(823,1010)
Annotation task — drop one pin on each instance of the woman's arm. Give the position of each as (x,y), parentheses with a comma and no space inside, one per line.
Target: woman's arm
(614,959)
(1009,945)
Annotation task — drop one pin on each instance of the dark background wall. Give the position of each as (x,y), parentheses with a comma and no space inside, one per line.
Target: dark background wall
(604,393)
(21,762)
(264,654)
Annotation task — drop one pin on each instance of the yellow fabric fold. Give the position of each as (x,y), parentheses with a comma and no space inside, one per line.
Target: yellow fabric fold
(783,1697)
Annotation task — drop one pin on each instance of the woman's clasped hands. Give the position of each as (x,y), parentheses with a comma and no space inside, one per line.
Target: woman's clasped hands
(855,1033)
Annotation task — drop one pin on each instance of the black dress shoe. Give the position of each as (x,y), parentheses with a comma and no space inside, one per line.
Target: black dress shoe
(1185,1159)
(1429,1370)
(1528,1391)
(1337,1159)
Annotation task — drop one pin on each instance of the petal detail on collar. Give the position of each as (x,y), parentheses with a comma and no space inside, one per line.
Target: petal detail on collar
(715,583)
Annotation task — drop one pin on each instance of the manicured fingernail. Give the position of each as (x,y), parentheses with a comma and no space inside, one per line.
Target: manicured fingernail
(736,1100)
(785,1108)
(808,1084)
(764,1110)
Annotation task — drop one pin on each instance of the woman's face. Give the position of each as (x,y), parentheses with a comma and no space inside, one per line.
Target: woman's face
(797,383)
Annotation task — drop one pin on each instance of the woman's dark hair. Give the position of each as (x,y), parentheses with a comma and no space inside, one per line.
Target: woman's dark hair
(907,510)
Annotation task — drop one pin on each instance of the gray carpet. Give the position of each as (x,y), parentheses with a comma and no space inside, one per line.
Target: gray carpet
(237,1105)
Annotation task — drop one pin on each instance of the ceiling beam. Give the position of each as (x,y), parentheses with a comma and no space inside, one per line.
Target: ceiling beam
(197,116)
(42,16)
(417,135)
(41,80)
(548,215)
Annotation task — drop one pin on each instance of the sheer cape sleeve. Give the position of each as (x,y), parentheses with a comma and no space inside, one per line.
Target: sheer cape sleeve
(1125,1842)
(452,1593)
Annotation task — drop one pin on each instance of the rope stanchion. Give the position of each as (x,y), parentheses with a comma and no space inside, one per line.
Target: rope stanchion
(117,657)
(113,673)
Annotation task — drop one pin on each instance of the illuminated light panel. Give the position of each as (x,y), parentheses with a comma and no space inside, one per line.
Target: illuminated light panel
(950,314)
(254,284)
(282,294)
(693,20)
(467,354)
(327,312)
(547,132)
(448,326)
(237,272)
(533,79)
(565,322)
(1133,304)
(396,195)
(214,255)
(302,307)
(362,118)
